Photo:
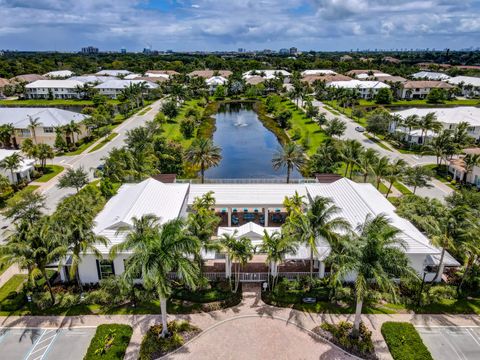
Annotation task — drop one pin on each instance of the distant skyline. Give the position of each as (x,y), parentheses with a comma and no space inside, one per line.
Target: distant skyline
(219,25)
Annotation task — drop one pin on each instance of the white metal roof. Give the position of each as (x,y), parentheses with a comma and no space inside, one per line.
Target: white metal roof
(358,84)
(216,80)
(455,115)
(121,84)
(113,72)
(318,72)
(26,163)
(132,76)
(59,74)
(268,73)
(92,78)
(366,75)
(430,75)
(466,80)
(46,116)
(62,84)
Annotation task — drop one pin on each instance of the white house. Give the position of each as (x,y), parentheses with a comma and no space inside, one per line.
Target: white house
(92,79)
(470,85)
(48,119)
(60,74)
(161,73)
(23,172)
(113,88)
(115,73)
(366,89)
(249,208)
(449,117)
(53,89)
(267,74)
(456,168)
(132,76)
(318,72)
(215,81)
(430,75)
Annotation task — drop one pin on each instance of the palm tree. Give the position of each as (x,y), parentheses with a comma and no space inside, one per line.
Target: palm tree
(469,246)
(72,128)
(440,145)
(427,123)
(12,163)
(157,250)
(7,132)
(42,153)
(374,254)
(321,221)
(290,156)
(351,151)
(365,162)
(411,122)
(276,246)
(335,127)
(380,168)
(294,203)
(205,154)
(418,176)
(395,172)
(238,251)
(32,124)
(470,161)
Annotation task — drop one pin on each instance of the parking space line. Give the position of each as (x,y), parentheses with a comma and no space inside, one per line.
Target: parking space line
(459,354)
(35,344)
(44,349)
(473,335)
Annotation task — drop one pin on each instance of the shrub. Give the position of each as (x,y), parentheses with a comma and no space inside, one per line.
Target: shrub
(110,342)
(187,127)
(341,334)
(404,342)
(297,134)
(441,292)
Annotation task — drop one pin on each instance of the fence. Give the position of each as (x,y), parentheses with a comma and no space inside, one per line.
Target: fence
(248,277)
(247,181)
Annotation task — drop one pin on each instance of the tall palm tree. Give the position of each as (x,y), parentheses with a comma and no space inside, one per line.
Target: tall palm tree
(238,252)
(72,128)
(276,246)
(418,176)
(395,172)
(157,250)
(374,253)
(321,221)
(470,161)
(469,246)
(205,154)
(365,162)
(294,203)
(427,123)
(351,151)
(7,132)
(290,156)
(12,163)
(380,168)
(32,124)
(411,122)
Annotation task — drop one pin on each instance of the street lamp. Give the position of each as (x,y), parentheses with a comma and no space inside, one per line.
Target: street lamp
(426,270)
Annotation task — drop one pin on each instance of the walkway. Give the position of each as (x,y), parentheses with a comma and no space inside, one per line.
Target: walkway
(251,308)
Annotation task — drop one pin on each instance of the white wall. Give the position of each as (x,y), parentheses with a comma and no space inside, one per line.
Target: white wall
(88,267)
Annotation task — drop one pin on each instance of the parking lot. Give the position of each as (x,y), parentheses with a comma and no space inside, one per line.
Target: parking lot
(40,344)
(452,342)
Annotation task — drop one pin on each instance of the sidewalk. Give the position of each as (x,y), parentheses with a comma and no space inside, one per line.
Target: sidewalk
(251,306)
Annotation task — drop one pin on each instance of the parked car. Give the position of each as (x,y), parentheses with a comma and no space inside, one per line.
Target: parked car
(360,128)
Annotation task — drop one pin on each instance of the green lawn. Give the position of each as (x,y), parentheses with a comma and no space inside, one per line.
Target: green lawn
(404,342)
(144,111)
(18,195)
(50,172)
(172,127)
(377,141)
(451,306)
(402,188)
(103,142)
(13,284)
(110,342)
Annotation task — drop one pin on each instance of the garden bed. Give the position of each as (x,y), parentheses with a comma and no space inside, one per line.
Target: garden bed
(404,342)
(110,342)
(153,346)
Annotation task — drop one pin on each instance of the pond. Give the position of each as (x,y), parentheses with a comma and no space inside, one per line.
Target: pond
(247,146)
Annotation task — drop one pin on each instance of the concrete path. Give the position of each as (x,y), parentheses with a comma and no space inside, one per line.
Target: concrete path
(252,308)
(7,274)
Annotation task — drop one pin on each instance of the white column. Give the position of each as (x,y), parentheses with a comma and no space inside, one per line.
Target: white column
(229,215)
(273,268)
(321,270)
(266,217)
(228,267)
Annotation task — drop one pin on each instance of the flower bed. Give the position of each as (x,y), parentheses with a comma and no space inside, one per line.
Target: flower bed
(110,342)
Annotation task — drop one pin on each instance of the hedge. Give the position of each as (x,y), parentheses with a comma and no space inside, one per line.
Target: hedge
(404,342)
(110,342)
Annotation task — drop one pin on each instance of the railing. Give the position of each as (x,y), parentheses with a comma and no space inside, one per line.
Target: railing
(247,181)
(249,277)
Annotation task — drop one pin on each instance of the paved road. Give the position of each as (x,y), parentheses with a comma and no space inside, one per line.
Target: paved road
(438,189)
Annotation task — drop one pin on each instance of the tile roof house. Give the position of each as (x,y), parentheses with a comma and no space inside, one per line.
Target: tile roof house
(207,74)
(419,89)
(27,78)
(326,78)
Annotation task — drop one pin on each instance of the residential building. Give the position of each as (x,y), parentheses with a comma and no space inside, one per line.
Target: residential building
(419,89)
(113,88)
(430,75)
(318,72)
(60,74)
(284,51)
(3,83)
(268,74)
(366,74)
(325,78)
(389,79)
(456,168)
(215,81)
(391,60)
(115,73)
(53,89)
(161,73)
(48,118)
(366,89)
(24,171)
(89,50)
(132,76)
(449,117)
(250,209)
(207,74)
(469,85)
(92,79)
(346,58)
(27,78)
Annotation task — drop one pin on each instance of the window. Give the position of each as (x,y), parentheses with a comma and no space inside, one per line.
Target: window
(25,132)
(48,130)
(105,269)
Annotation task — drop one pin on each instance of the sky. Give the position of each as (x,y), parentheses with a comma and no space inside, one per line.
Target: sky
(190,25)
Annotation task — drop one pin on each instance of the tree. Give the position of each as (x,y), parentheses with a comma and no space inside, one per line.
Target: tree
(71,129)
(418,176)
(42,153)
(28,209)
(395,172)
(427,123)
(436,96)
(283,117)
(335,127)
(239,252)
(384,96)
(7,132)
(170,109)
(321,119)
(441,146)
(28,148)
(32,124)
(375,253)
(326,160)
(290,156)
(366,160)
(351,151)
(378,122)
(187,127)
(311,111)
(12,163)
(204,154)
(470,162)
(73,178)
(319,222)
(380,167)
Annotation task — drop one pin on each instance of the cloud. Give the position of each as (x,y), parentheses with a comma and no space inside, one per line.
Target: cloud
(257,24)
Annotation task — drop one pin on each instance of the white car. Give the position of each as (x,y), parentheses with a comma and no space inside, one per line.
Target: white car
(360,128)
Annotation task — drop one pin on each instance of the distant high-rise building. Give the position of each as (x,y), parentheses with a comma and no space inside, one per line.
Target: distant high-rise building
(147,51)
(90,50)
(123,51)
(293,51)
(241,50)
(284,51)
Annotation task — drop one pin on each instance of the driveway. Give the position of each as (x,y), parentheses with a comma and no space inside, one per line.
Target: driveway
(258,338)
(438,189)
(45,343)
(452,343)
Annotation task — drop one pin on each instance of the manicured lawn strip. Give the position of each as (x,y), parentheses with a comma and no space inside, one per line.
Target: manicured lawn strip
(378,142)
(110,342)
(402,188)
(50,172)
(144,111)
(80,149)
(451,306)
(13,284)
(347,112)
(172,127)
(404,342)
(103,142)
(18,195)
